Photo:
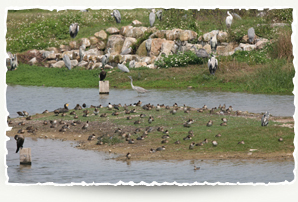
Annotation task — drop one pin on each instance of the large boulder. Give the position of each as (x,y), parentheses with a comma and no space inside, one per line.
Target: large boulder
(93,51)
(207,47)
(85,41)
(140,64)
(124,29)
(45,54)
(115,42)
(207,36)
(128,42)
(101,35)
(136,32)
(53,49)
(64,48)
(112,30)
(167,46)
(73,45)
(147,60)
(156,46)
(187,35)
(51,56)
(93,40)
(58,64)
(159,34)
(191,47)
(173,34)
(82,64)
(226,50)
(136,22)
(74,63)
(101,45)
(222,36)
(142,51)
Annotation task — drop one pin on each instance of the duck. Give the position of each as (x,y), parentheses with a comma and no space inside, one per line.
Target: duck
(63,114)
(167,107)
(164,141)
(22,123)
(29,118)
(133,111)
(78,107)
(160,129)
(200,144)
(224,124)
(177,142)
(127,112)
(191,133)
(129,118)
(152,150)
(137,122)
(116,107)
(115,113)
(218,135)
(187,138)
(66,126)
(84,105)
(45,122)
(86,125)
(20,141)
(102,74)
(174,111)
(214,143)
(175,105)
(209,123)
(62,122)
(91,137)
(86,111)
(150,119)
(165,136)
(45,111)
(131,141)
(72,113)
(241,142)
(53,121)
(140,138)
(137,130)
(61,110)
(128,156)
(162,148)
(142,115)
(76,117)
(25,113)
(224,120)
(73,123)
(157,107)
(22,131)
(280,139)
(200,110)
(20,113)
(62,130)
(191,146)
(205,141)
(118,130)
(53,126)
(92,106)
(149,129)
(139,103)
(9,122)
(204,107)
(110,107)
(196,168)
(103,115)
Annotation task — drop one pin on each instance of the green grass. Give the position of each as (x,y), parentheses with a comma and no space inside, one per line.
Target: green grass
(265,139)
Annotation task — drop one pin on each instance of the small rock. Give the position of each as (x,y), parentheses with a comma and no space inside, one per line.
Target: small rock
(136,22)
(93,40)
(113,30)
(101,35)
(73,45)
(85,41)
(58,64)
(33,61)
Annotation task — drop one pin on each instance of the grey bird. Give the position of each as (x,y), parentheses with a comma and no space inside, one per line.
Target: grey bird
(105,58)
(159,14)
(122,67)
(117,16)
(251,35)
(201,53)
(14,62)
(82,52)
(67,62)
(212,64)
(137,88)
(265,119)
(73,30)
(152,17)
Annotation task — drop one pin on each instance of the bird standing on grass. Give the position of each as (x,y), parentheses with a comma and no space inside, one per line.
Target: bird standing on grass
(117,16)
(229,20)
(265,119)
(73,30)
(152,17)
(122,67)
(212,64)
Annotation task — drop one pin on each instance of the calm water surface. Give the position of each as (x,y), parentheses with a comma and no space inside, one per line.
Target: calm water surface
(36,99)
(59,162)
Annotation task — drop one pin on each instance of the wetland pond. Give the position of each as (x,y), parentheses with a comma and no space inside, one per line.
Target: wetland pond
(60,162)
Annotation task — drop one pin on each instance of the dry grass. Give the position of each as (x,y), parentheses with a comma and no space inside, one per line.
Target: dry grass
(284,45)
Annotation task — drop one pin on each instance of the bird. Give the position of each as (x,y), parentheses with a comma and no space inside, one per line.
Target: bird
(73,30)
(196,168)
(212,64)
(137,88)
(152,150)
(128,155)
(229,20)
(45,111)
(81,52)
(20,141)
(280,139)
(86,125)
(25,113)
(213,42)
(20,113)
(201,53)
(84,105)
(214,143)
(105,58)
(152,17)
(96,111)
(162,148)
(191,146)
(110,106)
(159,14)
(209,123)
(265,119)
(14,62)
(251,35)
(117,16)
(91,137)
(157,107)
(224,120)
(218,135)
(241,142)
(150,119)
(122,67)
(67,62)
(61,110)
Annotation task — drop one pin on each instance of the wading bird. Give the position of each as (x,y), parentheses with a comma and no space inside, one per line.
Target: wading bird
(229,20)
(122,67)
(152,17)
(159,14)
(213,42)
(137,88)
(105,58)
(251,35)
(73,30)
(67,62)
(117,16)
(265,119)
(212,64)
(201,53)
(20,141)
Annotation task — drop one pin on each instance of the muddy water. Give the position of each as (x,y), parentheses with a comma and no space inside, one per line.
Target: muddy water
(36,99)
(59,162)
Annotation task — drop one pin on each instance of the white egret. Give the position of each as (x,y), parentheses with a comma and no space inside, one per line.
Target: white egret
(137,88)
(229,20)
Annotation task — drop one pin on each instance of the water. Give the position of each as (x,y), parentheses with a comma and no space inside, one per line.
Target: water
(36,99)
(59,162)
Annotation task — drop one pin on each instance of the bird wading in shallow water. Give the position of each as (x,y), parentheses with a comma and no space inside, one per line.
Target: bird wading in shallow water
(137,88)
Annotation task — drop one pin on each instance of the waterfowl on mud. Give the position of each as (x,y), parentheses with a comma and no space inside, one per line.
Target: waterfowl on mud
(20,141)
(200,144)
(157,107)
(142,115)
(20,113)
(187,138)
(128,156)
(76,117)
(140,138)
(86,125)
(45,122)
(165,136)
(131,141)
(22,131)
(91,137)
(162,148)
(22,123)
(166,132)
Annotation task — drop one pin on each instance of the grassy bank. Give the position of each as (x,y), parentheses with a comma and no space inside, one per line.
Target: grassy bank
(245,127)
(232,76)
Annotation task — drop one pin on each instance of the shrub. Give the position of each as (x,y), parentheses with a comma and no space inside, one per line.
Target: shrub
(181,59)
(112,141)
(280,15)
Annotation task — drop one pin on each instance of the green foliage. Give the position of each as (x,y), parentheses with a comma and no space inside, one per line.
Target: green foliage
(181,59)
(280,15)
(252,57)
(112,140)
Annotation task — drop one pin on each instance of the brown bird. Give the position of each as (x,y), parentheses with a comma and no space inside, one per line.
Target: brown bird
(20,141)
(29,118)
(209,123)
(86,125)
(25,113)
(196,168)
(91,137)
(20,113)
(45,111)
(224,124)
(128,155)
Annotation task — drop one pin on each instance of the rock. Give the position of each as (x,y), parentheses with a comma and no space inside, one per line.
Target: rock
(93,51)
(136,32)
(34,52)
(207,36)
(93,40)
(238,49)
(244,39)
(85,41)
(127,58)
(136,22)
(147,60)
(151,66)
(142,51)
(261,43)
(156,46)
(64,48)
(158,34)
(58,64)
(113,30)
(226,50)
(51,56)
(124,29)
(207,47)
(50,62)
(115,58)
(200,39)
(101,45)
(115,42)
(73,45)
(69,53)
(190,47)
(108,67)
(74,63)
(247,47)
(53,49)
(99,58)
(132,64)
(222,37)
(82,64)
(96,65)
(173,34)
(128,42)
(33,61)
(45,54)
(101,35)
(187,35)
(140,64)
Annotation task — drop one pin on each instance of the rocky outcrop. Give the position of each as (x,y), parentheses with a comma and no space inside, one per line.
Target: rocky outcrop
(112,30)
(102,35)
(85,41)
(136,32)
(115,42)
(128,42)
